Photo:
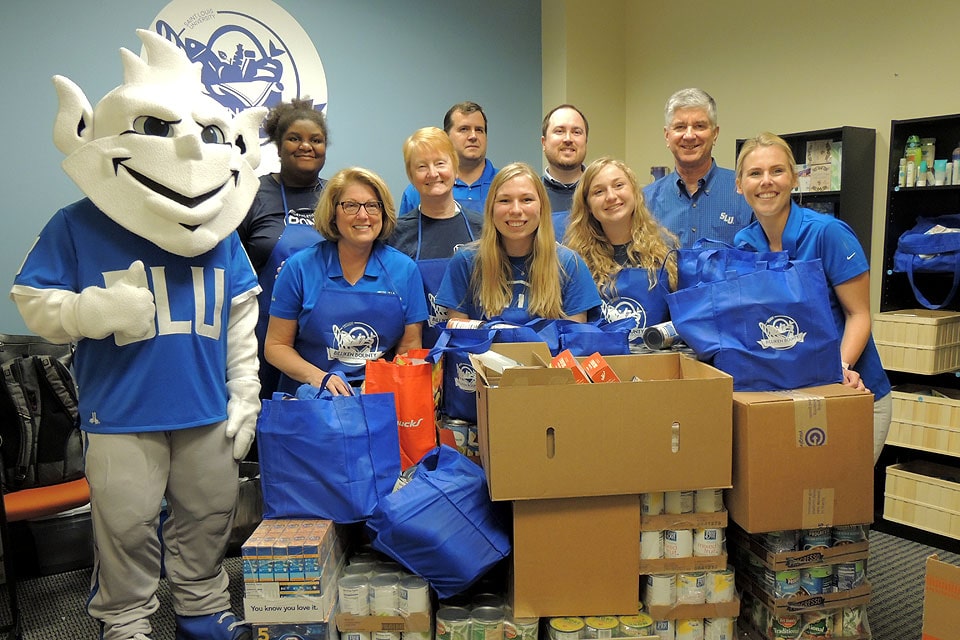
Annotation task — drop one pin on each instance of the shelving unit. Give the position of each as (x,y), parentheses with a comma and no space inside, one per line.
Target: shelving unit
(904,206)
(853,202)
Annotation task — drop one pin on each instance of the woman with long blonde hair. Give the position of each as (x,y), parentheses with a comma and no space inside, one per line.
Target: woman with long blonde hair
(516,272)
(625,248)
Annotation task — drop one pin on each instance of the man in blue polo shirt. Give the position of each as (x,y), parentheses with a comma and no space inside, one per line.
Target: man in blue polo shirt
(466,126)
(564,140)
(698,199)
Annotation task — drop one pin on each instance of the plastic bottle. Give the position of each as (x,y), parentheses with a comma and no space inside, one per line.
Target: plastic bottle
(913,151)
(922,174)
(956,165)
(902,173)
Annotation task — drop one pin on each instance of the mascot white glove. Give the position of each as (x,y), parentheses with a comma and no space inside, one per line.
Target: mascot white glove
(243,384)
(124,308)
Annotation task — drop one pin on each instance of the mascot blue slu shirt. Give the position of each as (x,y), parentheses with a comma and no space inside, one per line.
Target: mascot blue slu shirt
(79,248)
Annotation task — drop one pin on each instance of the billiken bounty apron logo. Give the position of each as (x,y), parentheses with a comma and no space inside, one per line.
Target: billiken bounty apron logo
(357,342)
(252,52)
(780,332)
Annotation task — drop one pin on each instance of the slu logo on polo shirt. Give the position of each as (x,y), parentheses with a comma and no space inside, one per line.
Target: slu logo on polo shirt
(357,342)
(780,332)
(438,313)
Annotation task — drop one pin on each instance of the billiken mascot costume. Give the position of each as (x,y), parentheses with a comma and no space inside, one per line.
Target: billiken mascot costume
(148,277)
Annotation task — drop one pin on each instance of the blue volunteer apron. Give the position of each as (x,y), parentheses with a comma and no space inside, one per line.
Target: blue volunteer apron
(431,271)
(298,233)
(347,328)
(635,299)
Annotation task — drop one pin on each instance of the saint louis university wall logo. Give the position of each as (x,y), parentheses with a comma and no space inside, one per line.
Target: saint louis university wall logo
(356,343)
(780,332)
(253,53)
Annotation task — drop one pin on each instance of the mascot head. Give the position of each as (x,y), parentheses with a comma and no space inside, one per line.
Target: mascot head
(157,155)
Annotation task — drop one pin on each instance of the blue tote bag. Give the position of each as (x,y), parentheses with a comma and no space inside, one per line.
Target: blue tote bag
(442,525)
(455,346)
(923,249)
(325,456)
(771,329)
(584,339)
(702,264)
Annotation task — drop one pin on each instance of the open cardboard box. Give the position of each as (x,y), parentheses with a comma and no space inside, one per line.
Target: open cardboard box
(802,459)
(669,431)
(941,600)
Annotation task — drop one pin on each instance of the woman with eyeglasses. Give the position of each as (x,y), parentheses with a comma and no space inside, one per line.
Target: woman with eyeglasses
(516,271)
(280,220)
(349,298)
(432,231)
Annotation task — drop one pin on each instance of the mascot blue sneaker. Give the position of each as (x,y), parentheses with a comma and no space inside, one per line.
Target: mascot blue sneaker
(216,626)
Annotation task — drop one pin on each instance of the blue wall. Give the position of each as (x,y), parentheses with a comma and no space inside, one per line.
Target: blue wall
(415,57)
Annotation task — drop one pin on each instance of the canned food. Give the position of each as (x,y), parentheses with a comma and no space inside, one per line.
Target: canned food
(453,623)
(785,627)
(566,628)
(661,589)
(718,629)
(651,545)
(521,628)
(708,542)
(660,336)
(850,575)
(678,543)
(600,626)
(845,534)
(691,588)
(786,583)
(820,538)
(651,504)
(780,541)
(664,629)
(690,629)
(486,623)
(817,624)
(721,586)
(816,580)
(678,501)
(638,625)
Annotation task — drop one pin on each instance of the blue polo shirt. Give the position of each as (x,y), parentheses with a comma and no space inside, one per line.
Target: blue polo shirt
(471,196)
(716,211)
(809,235)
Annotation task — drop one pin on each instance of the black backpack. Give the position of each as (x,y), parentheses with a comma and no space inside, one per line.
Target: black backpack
(40,441)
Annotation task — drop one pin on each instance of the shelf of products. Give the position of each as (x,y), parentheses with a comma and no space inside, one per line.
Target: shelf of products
(922,432)
(842,187)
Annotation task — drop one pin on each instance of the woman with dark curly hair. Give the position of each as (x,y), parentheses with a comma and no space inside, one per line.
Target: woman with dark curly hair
(623,245)
(280,220)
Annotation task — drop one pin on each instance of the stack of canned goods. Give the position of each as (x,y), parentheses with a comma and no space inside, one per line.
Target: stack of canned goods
(826,623)
(640,625)
(816,580)
(682,543)
(691,587)
(370,586)
(484,616)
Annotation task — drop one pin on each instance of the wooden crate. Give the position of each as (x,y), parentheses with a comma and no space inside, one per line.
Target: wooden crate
(926,418)
(925,495)
(918,340)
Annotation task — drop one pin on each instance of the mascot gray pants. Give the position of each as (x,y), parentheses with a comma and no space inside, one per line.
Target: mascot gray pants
(129,474)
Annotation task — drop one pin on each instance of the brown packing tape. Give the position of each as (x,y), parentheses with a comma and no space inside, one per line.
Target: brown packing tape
(810,423)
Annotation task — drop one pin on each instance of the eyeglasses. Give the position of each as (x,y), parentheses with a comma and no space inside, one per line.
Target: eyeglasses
(351,208)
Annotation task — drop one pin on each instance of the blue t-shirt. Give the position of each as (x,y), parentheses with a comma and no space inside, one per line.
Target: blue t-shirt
(578,291)
(716,211)
(309,271)
(173,379)
(809,235)
(472,196)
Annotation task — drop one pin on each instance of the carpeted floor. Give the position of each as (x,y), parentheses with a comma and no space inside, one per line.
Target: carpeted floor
(53,606)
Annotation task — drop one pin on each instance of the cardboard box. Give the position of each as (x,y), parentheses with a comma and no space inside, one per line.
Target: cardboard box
(941,600)
(686,611)
(925,418)
(576,556)
(418,622)
(801,603)
(303,631)
(294,601)
(925,495)
(670,431)
(923,341)
(801,459)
